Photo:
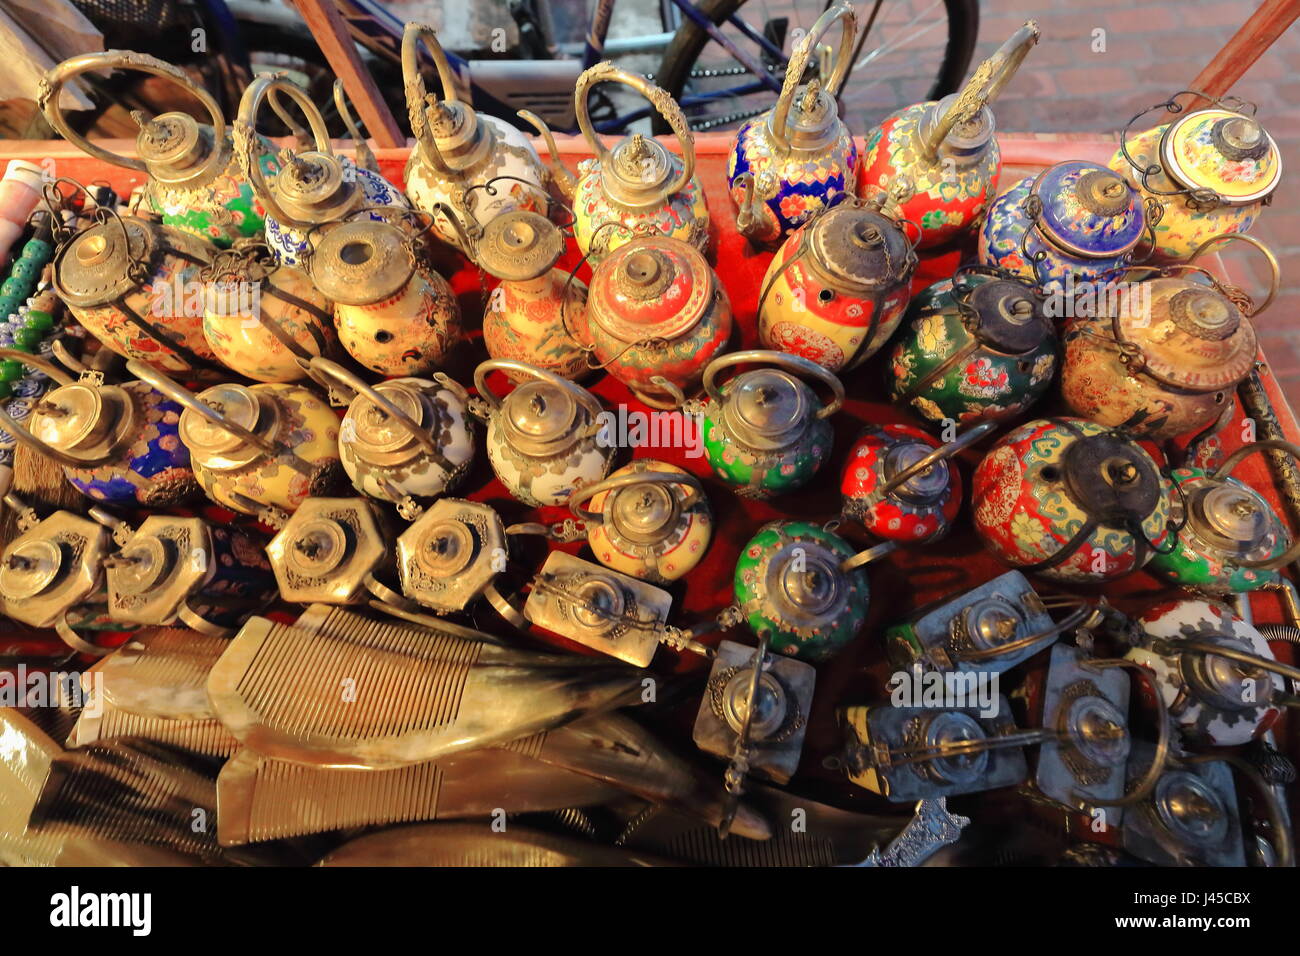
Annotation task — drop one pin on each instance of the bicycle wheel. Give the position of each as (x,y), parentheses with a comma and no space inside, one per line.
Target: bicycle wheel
(910,52)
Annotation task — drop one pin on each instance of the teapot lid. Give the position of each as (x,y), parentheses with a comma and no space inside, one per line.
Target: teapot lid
(652,288)
(968,139)
(805,583)
(1228,684)
(1010,318)
(361,262)
(537,416)
(1111,479)
(771,703)
(637,170)
(925,486)
(217,448)
(861,250)
(1230,515)
(989,623)
(456,131)
(1089,210)
(97,266)
(1097,729)
(379,438)
(146,560)
(518,245)
(83,420)
(1190,809)
(765,408)
(643,513)
(946,729)
(1193,337)
(814,121)
(311,186)
(1221,150)
(30,568)
(53,566)
(173,145)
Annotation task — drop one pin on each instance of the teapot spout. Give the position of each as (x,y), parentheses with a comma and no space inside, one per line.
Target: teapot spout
(749,212)
(564,180)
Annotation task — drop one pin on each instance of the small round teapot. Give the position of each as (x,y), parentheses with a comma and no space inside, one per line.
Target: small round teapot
(1229,538)
(118,444)
(195,179)
(976,347)
(530,312)
(543,439)
(837,288)
(1165,358)
(638,187)
(1074,223)
(257,447)
(262,317)
(394,313)
(764,432)
(800,588)
(1071,500)
(656,316)
(648,519)
(898,482)
(479,166)
(131,283)
(940,159)
(1211,170)
(403,438)
(313,189)
(207,577)
(782,170)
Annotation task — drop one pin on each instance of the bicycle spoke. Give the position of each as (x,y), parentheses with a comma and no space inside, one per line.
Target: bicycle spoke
(890,47)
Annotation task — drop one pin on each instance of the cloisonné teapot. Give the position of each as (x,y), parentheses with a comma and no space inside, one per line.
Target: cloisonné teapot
(1165,358)
(404,438)
(638,187)
(207,577)
(118,444)
(478,165)
(1211,170)
(1229,537)
(261,317)
(543,439)
(782,170)
(195,179)
(313,189)
(940,160)
(976,347)
(529,314)
(657,314)
(394,313)
(1071,500)
(1074,223)
(764,431)
(649,519)
(258,447)
(836,289)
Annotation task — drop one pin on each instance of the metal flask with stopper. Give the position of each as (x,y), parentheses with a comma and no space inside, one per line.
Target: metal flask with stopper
(479,166)
(976,347)
(405,438)
(131,283)
(1230,539)
(117,444)
(187,572)
(649,520)
(394,313)
(637,188)
(1071,500)
(837,288)
(1165,359)
(313,189)
(1074,223)
(764,430)
(657,314)
(544,439)
(255,449)
(195,181)
(797,158)
(529,314)
(943,153)
(1211,170)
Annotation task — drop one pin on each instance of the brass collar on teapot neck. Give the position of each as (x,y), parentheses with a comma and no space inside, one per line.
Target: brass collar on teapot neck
(519,245)
(637,171)
(311,187)
(174,146)
(463,142)
(925,486)
(85,421)
(1190,809)
(540,418)
(967,142)
(97,266)
(362,262)
(766,409)
(814,121)
(213,446)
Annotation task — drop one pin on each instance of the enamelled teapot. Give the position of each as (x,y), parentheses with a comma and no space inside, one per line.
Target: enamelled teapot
(939,161)
(1211,171)
(312,188)
(784,169)
(477,165)
(195,179)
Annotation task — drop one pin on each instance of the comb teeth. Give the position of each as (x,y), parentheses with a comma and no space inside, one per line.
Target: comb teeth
(25,757)
(476,844)
(207,737)
(702,846)
(162,672)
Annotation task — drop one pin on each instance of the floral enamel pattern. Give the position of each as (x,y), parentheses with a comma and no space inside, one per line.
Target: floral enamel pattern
(684,216)
(667,559)
(895,518)
(793,187)
(221,210)
(529,322)
(289,243)
(753,473)
(409,333)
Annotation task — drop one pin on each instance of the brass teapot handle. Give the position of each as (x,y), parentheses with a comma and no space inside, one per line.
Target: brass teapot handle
(684,479)
(1169,648)
(247,145)
(413,85)
(1230,464)
(365,157)
(795,364)
(47,99)
(1238,298)
(325,373)
(664,105)
(794,71)
(584,397)
(984,85)
(942,453)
